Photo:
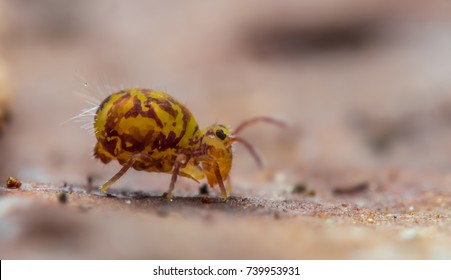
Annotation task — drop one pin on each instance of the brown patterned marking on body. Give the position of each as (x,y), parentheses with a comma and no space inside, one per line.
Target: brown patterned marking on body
(195,140)
(112,117)
(121,100)
(110,131)
(105,101)
(163,142)
(136,145)
(137,110)
(186,118)
(102,158)
(110,145)
(165,105)
(141,165)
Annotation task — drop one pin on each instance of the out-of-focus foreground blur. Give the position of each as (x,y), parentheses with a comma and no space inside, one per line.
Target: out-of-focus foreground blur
(363,170)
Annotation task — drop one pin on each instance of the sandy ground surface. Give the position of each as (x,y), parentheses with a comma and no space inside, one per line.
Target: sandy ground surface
(362,172)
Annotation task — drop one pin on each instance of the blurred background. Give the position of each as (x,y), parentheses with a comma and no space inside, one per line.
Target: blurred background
(365,85)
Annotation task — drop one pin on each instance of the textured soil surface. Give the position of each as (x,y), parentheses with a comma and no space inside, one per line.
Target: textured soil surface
(389,217)
(363,171)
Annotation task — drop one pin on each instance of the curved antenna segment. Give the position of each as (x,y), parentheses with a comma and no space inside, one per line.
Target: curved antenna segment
(250,148)
(252,121)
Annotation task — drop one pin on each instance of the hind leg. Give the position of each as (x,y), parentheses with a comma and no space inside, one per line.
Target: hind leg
(134,158)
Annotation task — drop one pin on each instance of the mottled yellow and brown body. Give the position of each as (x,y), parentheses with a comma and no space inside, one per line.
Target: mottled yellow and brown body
(152,131)
(143,121)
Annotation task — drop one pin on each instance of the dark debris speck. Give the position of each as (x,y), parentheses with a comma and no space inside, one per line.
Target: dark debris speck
(203,189)
(354,189)
(299,188)
(62,197)
(311,193)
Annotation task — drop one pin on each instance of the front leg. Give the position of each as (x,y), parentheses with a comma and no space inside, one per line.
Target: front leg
(211,161)
(229,184)
(220,181)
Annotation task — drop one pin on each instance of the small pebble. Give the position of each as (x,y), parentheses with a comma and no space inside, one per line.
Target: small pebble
(128,202)
(13,183)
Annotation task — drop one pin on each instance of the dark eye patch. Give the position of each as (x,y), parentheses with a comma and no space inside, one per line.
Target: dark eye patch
(220,134)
